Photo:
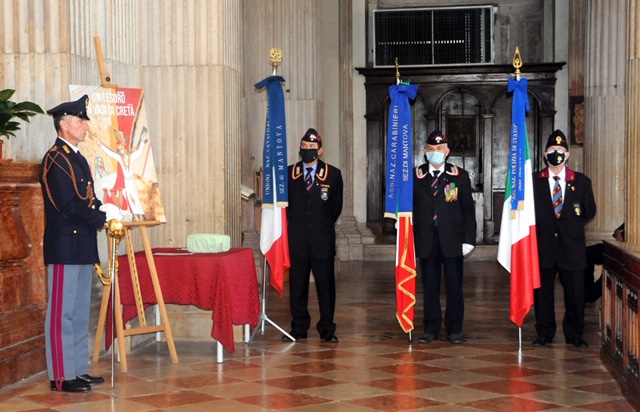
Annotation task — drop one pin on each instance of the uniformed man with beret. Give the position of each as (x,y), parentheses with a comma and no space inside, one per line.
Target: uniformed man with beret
(564,204)
(315,203)
(70,249)
(444,225)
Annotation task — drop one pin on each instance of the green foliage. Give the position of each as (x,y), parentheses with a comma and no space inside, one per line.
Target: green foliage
(12,112)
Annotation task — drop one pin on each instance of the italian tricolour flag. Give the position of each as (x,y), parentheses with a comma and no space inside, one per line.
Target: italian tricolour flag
(518,245)
(274,242)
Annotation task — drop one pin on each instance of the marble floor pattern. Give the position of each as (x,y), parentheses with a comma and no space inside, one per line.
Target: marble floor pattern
(372,368)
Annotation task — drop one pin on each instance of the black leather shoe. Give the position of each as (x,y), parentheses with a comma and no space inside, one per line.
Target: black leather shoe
(72,386)
(540,341)
(578,342)
(426,338)
(296,336)
(86,378)
(456,338)
(331,339)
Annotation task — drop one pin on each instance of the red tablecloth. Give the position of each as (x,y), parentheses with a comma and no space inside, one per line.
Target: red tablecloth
(224,283)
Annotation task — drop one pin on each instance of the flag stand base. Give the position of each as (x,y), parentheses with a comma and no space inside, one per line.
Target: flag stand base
(263,313)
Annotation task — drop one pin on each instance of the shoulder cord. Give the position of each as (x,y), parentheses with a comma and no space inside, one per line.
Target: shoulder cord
(47,166)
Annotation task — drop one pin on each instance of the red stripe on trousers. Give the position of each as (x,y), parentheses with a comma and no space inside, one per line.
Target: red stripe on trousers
(55,328)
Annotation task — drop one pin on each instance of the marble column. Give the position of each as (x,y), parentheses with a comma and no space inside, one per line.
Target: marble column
(604,116)
(632,131)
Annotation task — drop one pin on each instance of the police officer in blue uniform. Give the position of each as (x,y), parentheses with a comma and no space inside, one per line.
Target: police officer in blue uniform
(70,249)
(315,203)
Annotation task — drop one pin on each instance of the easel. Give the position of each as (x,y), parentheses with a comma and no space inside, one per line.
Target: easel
(120,332)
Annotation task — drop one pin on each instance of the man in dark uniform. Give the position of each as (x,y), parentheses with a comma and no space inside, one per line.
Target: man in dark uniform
(315,203)
(564,204)
(70,249)
(444,224)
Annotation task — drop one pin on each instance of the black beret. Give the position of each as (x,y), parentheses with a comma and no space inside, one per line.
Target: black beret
(436,137)
(557,138)
(77,108)
(312,136)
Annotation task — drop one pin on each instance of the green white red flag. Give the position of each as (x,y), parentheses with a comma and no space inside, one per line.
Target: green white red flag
(518,245)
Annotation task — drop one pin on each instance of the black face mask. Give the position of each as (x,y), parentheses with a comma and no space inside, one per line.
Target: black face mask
(308,155)
(556,158)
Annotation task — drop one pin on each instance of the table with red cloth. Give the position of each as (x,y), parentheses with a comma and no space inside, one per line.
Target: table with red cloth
(224,283)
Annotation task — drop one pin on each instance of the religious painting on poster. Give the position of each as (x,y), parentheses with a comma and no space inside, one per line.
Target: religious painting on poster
(118,149)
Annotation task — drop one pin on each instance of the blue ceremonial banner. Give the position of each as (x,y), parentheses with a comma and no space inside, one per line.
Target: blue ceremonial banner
(399,174)
(518,145)
(274,156)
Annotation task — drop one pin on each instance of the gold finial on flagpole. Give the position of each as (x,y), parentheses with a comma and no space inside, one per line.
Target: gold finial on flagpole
(397,72)
(275,57)
(517,63)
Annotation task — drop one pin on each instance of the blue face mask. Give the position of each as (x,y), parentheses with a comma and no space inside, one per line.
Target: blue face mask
(435,158)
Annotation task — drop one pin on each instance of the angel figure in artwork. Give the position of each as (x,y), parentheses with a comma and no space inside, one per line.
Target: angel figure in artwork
(123,192)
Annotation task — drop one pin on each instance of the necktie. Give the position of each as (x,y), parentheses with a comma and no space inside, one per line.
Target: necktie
(434,190)
(308,181)
(434,182)
(557,197)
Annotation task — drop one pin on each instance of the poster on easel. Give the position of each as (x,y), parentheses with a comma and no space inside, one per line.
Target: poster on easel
(118,149)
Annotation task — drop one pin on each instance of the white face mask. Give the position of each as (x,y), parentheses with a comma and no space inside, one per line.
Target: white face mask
(435,158)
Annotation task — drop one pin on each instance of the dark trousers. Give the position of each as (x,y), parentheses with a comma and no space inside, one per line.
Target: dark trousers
(325,280)
(431,269)
(573,321)
(595,256)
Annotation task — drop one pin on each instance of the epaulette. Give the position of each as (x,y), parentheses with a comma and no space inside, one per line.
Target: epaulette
(544,173)
(422,171)
(322,172)
(453,170)
(296,171)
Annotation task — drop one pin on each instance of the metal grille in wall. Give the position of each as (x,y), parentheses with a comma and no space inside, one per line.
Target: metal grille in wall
(420,37)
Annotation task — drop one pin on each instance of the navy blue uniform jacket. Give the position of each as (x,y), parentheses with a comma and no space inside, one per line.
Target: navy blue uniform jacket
(71,208)
(455,208)
(312,214)
(562,241)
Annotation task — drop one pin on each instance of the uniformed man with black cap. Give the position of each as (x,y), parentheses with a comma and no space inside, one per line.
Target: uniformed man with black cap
(315,203)
(444,223)
(564,204)
(70,249)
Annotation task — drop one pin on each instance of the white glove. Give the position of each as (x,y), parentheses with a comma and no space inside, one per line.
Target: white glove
(112,211)
(466,249)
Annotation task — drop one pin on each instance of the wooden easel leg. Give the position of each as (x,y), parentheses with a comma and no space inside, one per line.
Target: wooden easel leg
(135,280)
(158,291)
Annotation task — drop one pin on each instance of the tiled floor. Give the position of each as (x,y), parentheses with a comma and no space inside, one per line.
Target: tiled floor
(372,368)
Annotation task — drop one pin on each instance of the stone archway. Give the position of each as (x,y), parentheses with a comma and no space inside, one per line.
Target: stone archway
(475,96)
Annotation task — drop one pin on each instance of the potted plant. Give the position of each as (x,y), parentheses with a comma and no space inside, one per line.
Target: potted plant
(11,112)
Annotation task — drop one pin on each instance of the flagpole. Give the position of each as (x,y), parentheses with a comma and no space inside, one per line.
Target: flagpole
(517,63)
(399,200)
(275,57)
(263,312)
